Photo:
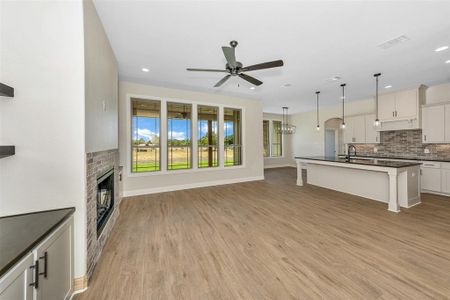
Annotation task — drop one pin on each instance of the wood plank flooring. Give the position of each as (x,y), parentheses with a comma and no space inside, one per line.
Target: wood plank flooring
(274,240)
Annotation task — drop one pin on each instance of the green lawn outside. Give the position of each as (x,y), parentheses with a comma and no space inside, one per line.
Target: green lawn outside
(151,166)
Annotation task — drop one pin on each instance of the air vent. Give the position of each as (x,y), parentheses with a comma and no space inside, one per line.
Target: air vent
(394,42)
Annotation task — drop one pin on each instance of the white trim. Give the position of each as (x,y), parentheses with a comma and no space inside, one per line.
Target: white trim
(189,186)
(163,136)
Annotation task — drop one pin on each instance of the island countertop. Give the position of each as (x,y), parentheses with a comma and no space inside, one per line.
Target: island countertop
(369,162)
(19,234)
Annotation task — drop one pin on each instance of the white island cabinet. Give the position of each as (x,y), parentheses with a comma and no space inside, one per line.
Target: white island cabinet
(46,271)
(395,183)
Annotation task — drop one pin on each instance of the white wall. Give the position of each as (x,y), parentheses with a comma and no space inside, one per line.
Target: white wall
(41,56)
(308,141)
(154,182)
(101,85)
(286,159)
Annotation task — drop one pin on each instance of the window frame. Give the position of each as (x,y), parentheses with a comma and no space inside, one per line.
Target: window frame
(268,139)
(281,141)
(163,136)
(241,145)
(131,134)
(218,137)
(271,120)
(191,145)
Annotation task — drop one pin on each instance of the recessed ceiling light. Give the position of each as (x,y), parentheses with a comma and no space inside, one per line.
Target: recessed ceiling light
(388,86)
(145,70)
(286,85)
(447,61)
(441,48)
(252,87)
(335,78)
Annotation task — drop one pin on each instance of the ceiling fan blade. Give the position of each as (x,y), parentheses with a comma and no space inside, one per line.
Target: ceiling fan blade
(230,56)
(266,65)
(250,79)
(222,81)
(206,70)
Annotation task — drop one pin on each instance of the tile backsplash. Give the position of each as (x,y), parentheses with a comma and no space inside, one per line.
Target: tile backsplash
(404,143)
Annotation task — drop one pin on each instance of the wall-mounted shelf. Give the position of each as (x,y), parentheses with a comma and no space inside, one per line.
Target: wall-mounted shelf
(6,90)
(6,151)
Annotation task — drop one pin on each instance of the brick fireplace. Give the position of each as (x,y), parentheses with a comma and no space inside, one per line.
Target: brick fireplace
(102,195)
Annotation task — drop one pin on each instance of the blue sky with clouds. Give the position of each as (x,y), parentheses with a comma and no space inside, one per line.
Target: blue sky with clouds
(149,127)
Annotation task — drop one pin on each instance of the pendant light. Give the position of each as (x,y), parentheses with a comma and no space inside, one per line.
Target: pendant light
(286,128)
(317,98)
(343,105)
(377,121)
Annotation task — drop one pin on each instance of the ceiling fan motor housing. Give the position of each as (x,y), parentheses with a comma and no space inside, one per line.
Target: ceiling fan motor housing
(234,71)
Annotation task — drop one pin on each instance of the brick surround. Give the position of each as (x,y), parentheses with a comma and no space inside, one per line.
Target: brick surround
(404,143)
(97,164)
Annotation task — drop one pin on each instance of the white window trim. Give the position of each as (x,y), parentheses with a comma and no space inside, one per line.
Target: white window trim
(270,140)
(163,137)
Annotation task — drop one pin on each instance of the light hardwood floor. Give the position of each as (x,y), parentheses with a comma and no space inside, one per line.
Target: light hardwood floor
(273,240)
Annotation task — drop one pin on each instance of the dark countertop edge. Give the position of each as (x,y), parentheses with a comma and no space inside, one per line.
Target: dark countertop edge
(38,240)
(398,158)
(361,164)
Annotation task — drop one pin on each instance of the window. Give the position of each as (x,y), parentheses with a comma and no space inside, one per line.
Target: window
(207,136)
(145,131)
(276,139)
(179,138)
(266,138)
(232,137)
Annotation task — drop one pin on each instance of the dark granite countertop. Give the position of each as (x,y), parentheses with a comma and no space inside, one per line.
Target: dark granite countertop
(19,234)
(400,158)
(368,162)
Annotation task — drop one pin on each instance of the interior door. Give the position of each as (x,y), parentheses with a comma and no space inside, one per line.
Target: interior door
(433,124)
(330,143)
(386,107)
(406,104)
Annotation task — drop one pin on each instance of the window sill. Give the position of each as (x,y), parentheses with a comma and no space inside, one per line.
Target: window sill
(184,171)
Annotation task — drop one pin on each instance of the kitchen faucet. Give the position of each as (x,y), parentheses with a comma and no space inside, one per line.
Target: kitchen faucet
(348,151)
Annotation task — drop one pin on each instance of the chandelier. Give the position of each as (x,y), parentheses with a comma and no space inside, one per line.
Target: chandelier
(286,128)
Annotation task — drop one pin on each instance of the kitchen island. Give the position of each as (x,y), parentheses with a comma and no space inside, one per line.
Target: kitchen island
(393,182)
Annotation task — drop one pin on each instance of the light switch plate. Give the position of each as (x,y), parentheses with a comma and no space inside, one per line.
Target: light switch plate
(426,151)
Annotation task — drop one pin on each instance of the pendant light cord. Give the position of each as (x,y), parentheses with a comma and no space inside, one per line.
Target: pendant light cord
(376,95)
(317,105)
(343,99)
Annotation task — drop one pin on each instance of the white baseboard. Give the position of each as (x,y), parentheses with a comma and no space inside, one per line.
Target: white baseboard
(279,166)
(189,186)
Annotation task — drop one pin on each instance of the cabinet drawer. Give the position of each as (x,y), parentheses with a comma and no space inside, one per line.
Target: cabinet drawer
(445,165)
(431,164)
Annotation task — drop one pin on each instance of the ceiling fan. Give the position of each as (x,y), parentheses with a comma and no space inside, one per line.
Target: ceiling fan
(235,68)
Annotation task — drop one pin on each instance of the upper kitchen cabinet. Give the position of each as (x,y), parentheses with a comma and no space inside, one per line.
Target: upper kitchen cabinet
(436,123)
(354,131)
(401,110)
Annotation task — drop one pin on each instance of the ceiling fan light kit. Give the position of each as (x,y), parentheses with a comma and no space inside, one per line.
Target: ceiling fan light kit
(236,68)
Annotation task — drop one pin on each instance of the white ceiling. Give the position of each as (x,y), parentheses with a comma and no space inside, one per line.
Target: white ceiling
(317,40)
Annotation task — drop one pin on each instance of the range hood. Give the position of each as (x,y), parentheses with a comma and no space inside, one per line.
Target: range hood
(6,90)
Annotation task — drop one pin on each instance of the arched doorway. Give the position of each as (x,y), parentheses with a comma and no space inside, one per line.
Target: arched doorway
(333,137)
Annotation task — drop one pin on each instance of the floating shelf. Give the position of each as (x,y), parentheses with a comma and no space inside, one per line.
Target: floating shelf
(6,151)
(6,90)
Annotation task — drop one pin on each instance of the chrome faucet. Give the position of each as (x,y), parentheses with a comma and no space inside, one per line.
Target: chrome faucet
(349,153)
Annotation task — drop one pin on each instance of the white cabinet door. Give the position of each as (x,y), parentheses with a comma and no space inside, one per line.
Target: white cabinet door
(447,123)
(359,129)
(372,135)
(445,181)
(55,257)
(386,107)
(431,179)
(15,285)
(433,124)
(406,104)
(348,131)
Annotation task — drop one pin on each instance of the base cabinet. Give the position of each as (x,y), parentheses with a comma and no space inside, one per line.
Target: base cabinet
(46,273)
(445,178)
(431,176)
(15,285)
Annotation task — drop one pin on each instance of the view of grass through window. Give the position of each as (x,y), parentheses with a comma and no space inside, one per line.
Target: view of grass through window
(276,139)
(145,130)
(179,136)
(207,136)
(266,142)
(232,137)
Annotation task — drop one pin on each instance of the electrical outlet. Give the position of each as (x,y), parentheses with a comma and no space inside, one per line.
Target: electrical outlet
(426,151)
(375,150)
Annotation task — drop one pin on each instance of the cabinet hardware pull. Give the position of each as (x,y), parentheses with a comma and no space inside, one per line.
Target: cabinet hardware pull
(35,284)
(393,114)
(424,137)
(45,258)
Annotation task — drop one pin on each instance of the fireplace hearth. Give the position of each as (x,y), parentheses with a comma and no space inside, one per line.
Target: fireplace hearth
(105,199)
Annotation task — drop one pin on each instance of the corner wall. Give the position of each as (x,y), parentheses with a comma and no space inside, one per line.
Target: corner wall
(136,184)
